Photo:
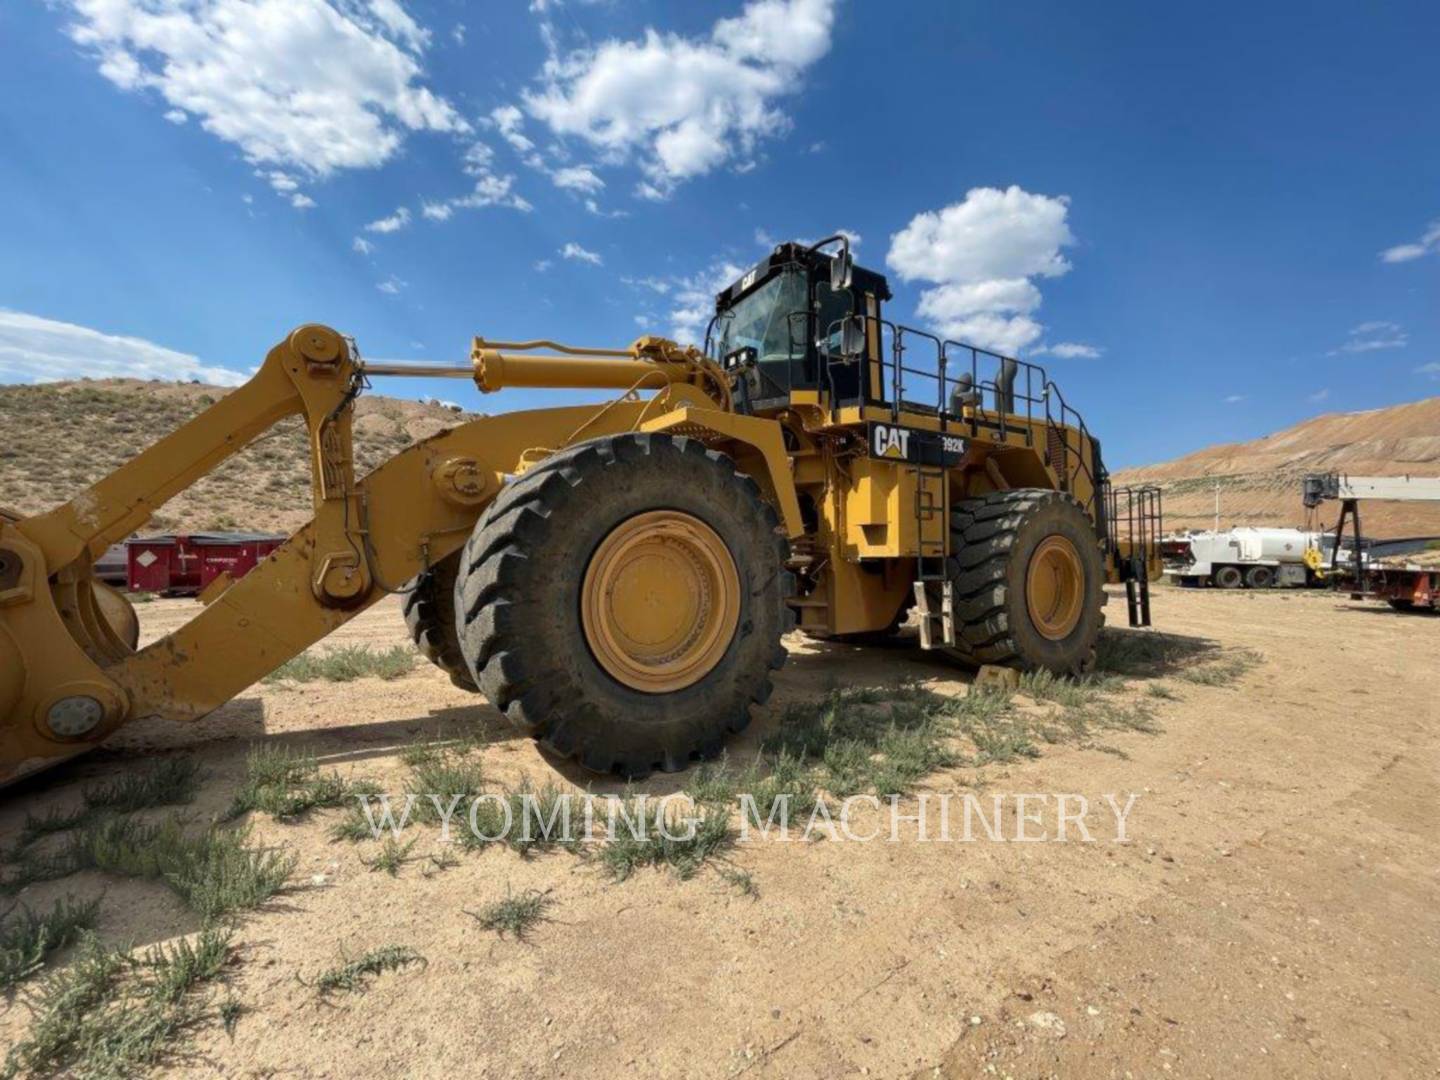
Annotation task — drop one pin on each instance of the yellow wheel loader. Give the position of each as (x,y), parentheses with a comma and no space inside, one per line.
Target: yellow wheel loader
(617,578)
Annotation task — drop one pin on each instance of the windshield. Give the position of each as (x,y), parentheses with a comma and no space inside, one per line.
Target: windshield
(762,320)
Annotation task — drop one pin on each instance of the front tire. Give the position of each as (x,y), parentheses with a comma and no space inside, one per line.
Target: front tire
(623,601)
(1028,581)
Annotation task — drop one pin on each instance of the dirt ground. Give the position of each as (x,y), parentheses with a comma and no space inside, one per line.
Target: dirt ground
(1275,910)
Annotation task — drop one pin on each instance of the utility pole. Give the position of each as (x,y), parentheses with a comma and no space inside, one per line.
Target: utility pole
(1217,505)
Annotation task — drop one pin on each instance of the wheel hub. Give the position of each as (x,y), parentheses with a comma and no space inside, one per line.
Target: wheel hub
(660,601)
(1055,587)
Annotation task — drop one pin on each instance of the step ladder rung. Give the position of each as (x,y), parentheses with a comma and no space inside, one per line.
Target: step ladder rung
(931,619)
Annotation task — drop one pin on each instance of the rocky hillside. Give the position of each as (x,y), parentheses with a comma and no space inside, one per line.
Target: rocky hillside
(62,436)
(1259,480)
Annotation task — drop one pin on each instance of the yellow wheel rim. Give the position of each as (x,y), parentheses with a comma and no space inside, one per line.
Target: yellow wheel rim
(660,601)
(1055,587)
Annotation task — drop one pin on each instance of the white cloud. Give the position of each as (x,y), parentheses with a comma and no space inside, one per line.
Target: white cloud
(573,250)
(301,201)
(478,158)
(1432,369)
(177,116)
(1068,350)
(400,26)
(958,300)
(36,349)
(541,265)
(392,285)
(989,234)
(1371,336)
(593,207)
(361,246)
(1235,399)
(489,191)
(577,178)
(457,34)
(981,254)
(280,180)
(491,188)
(392,224)
(306,86)
(681,106)
(694,300)
(1428,244)
(655,284)
(1318,396)
(508,120)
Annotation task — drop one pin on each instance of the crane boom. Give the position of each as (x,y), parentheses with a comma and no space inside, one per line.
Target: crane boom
(1320,487)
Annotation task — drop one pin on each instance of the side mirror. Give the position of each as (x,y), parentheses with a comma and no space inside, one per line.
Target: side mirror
(852,337)
(841,265)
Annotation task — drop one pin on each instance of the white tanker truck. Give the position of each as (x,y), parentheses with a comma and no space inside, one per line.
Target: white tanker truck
(1252,557)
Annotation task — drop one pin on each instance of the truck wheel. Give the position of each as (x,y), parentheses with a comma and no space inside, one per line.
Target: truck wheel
(1401,604)
(623,602)
(1259,577)
(1228,577)
(430,617)
(1027,580)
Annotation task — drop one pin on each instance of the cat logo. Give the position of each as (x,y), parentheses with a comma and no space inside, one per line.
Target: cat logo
(891,442)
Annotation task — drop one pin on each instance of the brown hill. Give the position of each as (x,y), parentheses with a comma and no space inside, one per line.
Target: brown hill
(62,436)
(1259,481)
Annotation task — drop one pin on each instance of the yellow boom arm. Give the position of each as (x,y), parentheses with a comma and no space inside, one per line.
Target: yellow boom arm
(70,672)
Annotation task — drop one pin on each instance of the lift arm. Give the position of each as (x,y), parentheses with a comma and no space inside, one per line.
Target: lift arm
(69,670)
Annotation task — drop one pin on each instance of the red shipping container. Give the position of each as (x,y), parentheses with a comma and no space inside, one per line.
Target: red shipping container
(185,564)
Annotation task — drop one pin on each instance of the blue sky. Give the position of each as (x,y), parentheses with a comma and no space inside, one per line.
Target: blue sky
(1207,224)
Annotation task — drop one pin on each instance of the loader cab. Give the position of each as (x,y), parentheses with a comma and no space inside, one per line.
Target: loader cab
(802,322)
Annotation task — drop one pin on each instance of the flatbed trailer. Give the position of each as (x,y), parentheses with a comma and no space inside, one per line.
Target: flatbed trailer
(1405,584)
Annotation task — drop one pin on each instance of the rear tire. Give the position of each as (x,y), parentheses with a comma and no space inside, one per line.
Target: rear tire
(1400,604)
(1228,577)
(430,618)
(544,641)
(1259,577)
(1004,543)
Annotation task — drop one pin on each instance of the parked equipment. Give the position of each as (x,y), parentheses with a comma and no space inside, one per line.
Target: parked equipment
(111,566)
(184,565)
(616,579)
(1250,557)
(1407,582)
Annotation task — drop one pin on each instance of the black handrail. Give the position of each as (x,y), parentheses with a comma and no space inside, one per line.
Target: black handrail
(956,370)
